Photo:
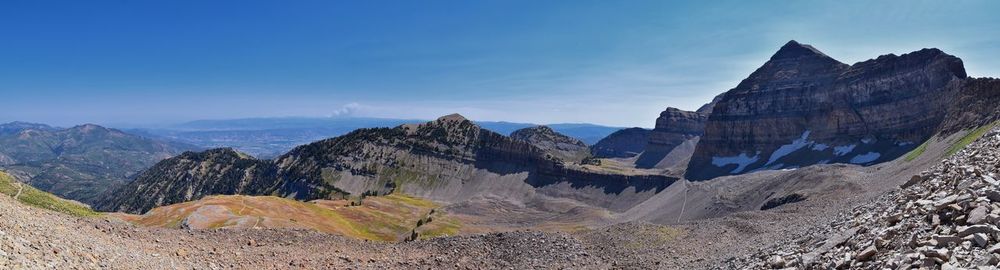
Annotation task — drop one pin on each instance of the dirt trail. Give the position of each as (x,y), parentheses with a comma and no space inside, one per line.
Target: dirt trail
(20,187)
(683,204)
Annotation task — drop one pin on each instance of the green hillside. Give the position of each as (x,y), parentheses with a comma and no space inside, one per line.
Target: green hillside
(34,197)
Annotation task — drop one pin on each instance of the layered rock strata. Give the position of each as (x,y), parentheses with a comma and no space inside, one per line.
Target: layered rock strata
(803,107)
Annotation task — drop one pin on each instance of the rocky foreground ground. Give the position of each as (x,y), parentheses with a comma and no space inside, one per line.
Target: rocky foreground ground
(946,217)
(31,238)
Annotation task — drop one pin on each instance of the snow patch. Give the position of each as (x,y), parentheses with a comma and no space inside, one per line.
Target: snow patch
(903,143)
(865,158)
(844,149)
(869,140)
(741,161)
(784,150)
(820,147)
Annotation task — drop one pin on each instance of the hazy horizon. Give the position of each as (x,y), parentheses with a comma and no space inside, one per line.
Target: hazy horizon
(606,63)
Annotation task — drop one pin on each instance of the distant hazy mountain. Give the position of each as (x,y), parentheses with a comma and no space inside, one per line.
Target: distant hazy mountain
(285,123)
(270,137)
(80,162)
(16,126)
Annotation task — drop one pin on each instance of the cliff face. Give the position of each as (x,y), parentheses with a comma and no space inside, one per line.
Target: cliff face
(977,104)
(560,146)
(673,128)
(803,107)
(624,143)
(434,159)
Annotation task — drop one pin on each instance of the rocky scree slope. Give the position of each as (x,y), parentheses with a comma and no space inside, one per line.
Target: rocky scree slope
(803,107)
(78,163)
(446,160)
(560,146)
(946,217)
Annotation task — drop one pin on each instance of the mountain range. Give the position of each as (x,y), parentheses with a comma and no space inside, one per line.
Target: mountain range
(449,159)
(270,137)
(800,108)
(81,162)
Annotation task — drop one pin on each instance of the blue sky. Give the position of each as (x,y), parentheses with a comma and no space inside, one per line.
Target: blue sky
(606,62)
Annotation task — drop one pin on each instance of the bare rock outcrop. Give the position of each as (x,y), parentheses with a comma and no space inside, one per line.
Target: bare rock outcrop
(560,146)
(803,107)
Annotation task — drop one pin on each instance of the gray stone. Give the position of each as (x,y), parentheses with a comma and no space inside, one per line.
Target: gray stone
(944,240)
(980,239)
(969,230)
(866,254)
(776,262)
(977,215)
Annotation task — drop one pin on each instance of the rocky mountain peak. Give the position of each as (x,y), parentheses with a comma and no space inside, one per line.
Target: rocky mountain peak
(795,65)
(794,49)
(452,127)
(559,145)
(803,107)
(535,131)
(452,118)
(88,128)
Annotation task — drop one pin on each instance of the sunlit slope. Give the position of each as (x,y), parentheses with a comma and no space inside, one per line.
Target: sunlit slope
(387,218)
(34,197)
